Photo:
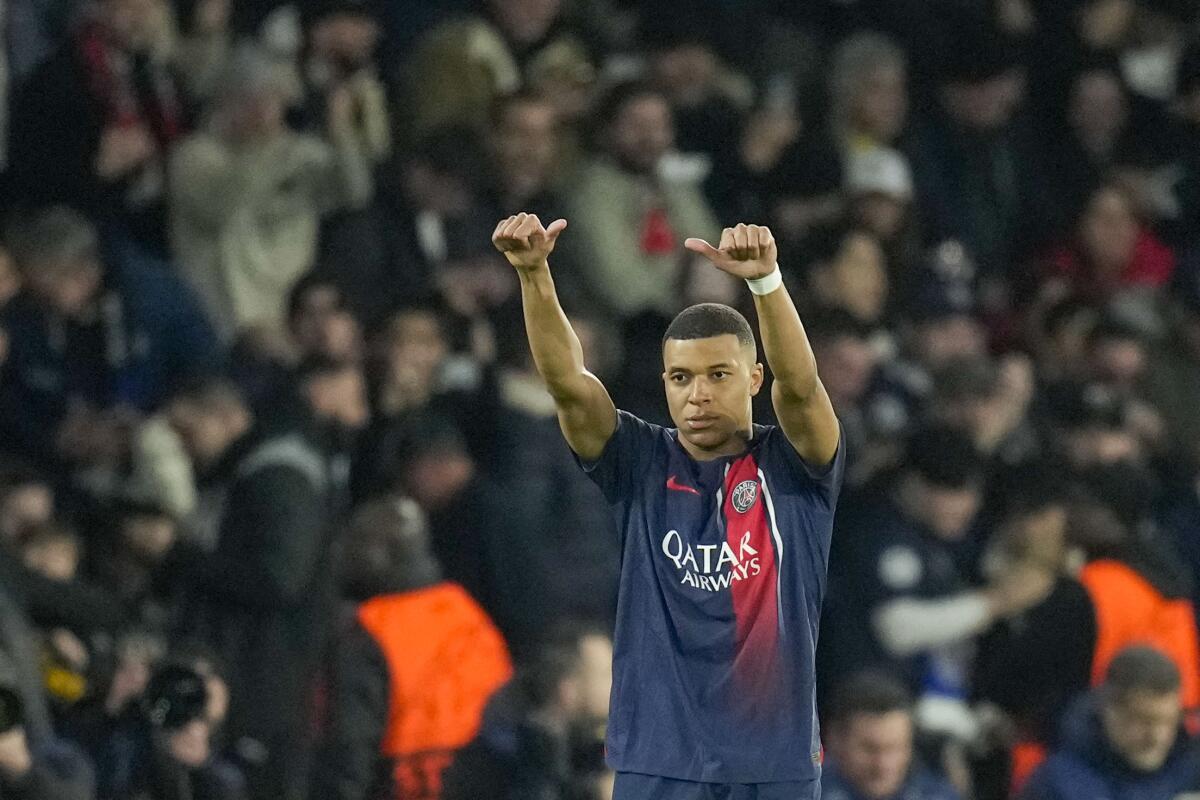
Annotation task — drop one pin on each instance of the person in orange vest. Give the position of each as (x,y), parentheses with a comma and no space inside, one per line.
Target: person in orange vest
(1110,593)
(412,670)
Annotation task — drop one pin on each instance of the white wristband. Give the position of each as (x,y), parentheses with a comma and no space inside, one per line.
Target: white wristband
(767,283)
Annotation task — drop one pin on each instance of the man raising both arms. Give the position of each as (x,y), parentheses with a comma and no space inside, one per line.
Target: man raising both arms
(724,525)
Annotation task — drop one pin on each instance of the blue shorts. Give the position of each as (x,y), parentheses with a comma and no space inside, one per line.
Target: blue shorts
(632,786)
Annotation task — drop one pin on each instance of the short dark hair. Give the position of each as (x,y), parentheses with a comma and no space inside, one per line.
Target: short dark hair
(945,457)
(1140,669)
(308,283)
(868,692)
(710,319)
(621,95)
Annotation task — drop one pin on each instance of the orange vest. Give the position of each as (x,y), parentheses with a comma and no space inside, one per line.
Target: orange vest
(1129,611)
(445,658)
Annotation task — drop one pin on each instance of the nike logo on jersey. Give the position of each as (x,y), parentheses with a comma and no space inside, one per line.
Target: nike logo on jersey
(679,487)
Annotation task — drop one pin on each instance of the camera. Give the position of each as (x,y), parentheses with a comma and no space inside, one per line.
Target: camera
(176,696)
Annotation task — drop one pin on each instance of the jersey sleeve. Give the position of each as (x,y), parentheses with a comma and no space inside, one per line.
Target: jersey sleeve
(826,478)
(619,469)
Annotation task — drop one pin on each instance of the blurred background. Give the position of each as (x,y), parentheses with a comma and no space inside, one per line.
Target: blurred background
(284,508)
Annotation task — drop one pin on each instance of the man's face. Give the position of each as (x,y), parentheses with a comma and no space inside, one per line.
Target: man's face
(939,341)
(525,21)
(847,365)
(1142,727)
(67,288)
(874,752)
(349,40)
(526,139)
(948,511)
(205,432)
(987,105)
(881,105)
(1109,231)
(135,24)
(709,383)
(642,133)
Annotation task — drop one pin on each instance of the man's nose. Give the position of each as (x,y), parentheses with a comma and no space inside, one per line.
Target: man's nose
(700,393)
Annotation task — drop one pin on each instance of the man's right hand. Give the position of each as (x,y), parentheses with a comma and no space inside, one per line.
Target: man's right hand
(524,242)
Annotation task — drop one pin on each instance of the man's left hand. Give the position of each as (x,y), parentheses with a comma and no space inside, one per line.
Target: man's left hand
(746,251)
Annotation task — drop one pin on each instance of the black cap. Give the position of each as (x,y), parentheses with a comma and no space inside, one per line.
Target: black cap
(945,457)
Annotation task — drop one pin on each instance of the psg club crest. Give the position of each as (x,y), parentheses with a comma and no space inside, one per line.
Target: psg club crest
(744,495)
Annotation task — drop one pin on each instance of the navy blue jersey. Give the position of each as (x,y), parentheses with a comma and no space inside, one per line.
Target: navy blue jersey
(722,575)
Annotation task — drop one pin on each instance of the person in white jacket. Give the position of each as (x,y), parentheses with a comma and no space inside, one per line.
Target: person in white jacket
(248,194)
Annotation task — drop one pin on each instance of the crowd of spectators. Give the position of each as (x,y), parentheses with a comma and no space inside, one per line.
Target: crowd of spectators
(285,513)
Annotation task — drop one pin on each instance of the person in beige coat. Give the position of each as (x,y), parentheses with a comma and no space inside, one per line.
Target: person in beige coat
(248,194)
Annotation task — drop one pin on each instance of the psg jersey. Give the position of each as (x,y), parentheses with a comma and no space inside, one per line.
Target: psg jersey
(723,568)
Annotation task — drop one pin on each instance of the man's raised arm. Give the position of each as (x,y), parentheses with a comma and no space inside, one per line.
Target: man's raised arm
(586,413)
(801,403)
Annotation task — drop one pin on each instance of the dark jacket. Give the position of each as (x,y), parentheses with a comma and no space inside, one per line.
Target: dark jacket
(267,594)
(148,335)
(1086,768)
(511,758)
(920,785)
(133,767)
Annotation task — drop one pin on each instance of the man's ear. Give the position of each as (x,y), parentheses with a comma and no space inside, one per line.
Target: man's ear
(756,379)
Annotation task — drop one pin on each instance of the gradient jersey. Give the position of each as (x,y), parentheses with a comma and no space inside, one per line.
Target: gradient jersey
(723,568)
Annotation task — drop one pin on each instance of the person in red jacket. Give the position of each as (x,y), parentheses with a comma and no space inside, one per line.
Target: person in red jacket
(1111,251)
(413,669)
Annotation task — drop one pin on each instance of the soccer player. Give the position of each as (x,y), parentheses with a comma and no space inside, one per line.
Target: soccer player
(725,529)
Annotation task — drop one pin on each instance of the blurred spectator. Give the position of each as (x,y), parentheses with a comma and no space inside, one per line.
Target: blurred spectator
(554,514)
(248,194)
(268,596)
(879,189)
(1111,252)
(1094,430)
(163,751)
(412,671)
(940,303)
(209,428)
(707,98)
(854,278)
(630,216)
(896,577)
(26,500)
(870,756)
(320,323)
(94,124)
(463,65)
(868,94)
(98,337)
(526,146)
(343,36)
(989,401)
(971,159)
(428,206)
(543,732)
(34,765)
(1127,739)
(144,563)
